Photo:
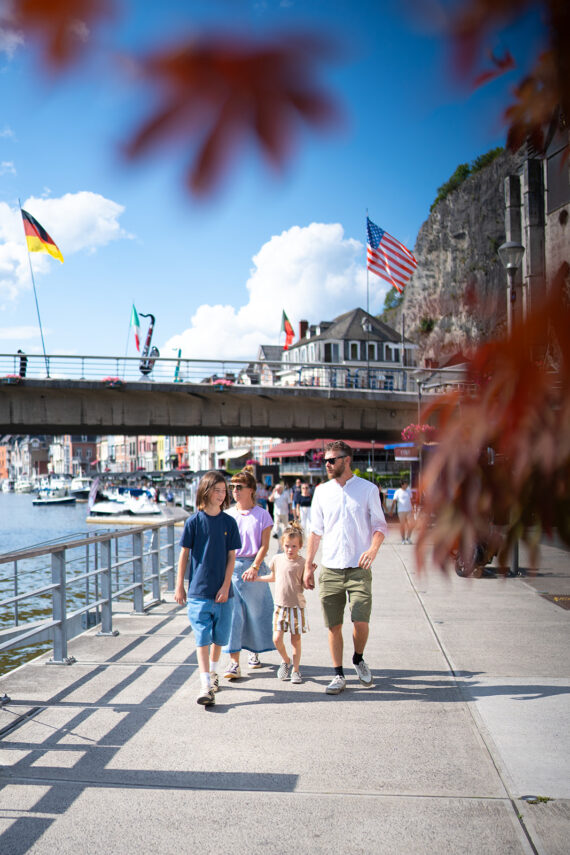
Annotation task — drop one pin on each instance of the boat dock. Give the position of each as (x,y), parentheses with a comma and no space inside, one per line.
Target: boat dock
(462,745)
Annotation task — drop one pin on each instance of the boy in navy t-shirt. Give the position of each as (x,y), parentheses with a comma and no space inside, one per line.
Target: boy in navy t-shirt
(210,538)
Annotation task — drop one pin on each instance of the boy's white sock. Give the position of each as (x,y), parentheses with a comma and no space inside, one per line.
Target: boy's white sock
(205,679)
(214,666)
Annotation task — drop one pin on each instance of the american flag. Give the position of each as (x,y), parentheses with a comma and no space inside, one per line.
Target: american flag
(388,258)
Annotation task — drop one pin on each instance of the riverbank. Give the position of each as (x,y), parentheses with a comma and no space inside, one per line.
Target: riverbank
(467,720)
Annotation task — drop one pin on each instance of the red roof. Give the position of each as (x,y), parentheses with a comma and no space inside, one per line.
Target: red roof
(299,449)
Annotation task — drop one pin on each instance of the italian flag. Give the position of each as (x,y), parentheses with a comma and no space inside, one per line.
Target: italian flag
(288,330)
(136,325)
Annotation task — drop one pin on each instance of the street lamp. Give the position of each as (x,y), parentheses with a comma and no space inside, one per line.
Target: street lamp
(511,254)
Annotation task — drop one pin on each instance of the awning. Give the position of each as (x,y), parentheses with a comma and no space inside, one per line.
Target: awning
(299,449)
(233,453)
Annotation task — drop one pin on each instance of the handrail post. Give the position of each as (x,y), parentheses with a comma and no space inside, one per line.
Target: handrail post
(170,577)
(155,557)
(16,592)
(59,609)
(106,591)
(138,578)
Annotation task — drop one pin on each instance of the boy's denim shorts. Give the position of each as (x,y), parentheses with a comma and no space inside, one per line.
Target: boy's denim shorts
(210,621)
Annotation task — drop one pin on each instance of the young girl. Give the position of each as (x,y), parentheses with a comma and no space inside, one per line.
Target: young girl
(287,572)
(211,537)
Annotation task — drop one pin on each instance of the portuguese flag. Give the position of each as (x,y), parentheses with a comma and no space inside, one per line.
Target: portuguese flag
(37,238)
(288,330)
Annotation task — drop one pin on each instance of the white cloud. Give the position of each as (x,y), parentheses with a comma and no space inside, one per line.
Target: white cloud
(18,333)
(77,222)
(312,273)
(10,41)
(7,168)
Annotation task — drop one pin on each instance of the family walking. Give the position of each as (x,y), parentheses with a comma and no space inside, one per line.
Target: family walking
(227,547)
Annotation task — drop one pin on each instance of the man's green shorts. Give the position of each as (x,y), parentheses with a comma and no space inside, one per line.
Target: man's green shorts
(335,586)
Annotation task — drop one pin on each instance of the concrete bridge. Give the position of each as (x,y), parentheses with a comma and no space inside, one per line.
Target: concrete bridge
(68,406)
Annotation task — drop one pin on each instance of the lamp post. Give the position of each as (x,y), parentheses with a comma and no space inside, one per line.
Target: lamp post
(511,254)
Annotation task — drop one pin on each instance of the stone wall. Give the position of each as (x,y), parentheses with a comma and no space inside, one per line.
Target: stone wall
(457,296)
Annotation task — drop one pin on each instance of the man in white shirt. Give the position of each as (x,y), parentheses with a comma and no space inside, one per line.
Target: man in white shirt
(403,502)
(346,512)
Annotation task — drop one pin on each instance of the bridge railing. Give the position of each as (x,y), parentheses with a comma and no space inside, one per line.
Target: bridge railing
(52,592)
(114,371)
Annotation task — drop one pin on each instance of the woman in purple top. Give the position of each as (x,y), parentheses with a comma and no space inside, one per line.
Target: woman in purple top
(252,620)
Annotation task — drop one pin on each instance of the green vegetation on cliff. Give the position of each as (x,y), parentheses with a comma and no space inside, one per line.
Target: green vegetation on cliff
(463,171)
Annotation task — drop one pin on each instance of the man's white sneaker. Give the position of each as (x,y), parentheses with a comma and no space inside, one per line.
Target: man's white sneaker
(336,685)
(364,673)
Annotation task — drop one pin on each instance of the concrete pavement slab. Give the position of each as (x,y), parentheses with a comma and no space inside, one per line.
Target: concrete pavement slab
(170,821)
(530,725)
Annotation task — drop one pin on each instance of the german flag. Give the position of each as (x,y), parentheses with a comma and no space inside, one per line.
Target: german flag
(37,238)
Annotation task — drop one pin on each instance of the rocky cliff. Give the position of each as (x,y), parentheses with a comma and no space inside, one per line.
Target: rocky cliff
(457,296)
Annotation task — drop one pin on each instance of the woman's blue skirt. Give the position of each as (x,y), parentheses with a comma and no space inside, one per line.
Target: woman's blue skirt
(252,620)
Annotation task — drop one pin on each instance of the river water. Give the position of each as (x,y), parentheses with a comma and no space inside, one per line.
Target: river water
(23,525)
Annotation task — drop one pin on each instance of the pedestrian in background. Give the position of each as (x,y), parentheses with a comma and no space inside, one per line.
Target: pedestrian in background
(281,499)
(210,537)
(402,501)
(347,516)
(23,363)
(304,507)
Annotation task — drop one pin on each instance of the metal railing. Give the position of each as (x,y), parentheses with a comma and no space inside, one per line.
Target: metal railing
(115,370)
(78,585)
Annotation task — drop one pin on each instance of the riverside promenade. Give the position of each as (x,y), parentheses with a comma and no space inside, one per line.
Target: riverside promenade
(468,718)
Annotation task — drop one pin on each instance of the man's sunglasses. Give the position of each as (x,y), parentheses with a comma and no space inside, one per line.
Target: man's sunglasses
(333,460)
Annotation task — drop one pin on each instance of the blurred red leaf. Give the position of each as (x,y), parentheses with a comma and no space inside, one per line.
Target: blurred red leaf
(216,92)
(546,89)
(60,27)
(502,65)
(522,413)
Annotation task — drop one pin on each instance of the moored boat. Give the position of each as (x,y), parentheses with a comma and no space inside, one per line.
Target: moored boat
(51,496)
(80,487)
(23,485)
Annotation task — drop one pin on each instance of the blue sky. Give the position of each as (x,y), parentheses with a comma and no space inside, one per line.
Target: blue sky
(218,273)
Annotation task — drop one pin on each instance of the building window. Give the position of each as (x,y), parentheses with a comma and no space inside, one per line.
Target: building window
(353,352)
(372,351)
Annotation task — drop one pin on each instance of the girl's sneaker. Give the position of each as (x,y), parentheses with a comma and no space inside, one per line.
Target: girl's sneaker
(253,661)
(215,681)
(233,671)
(296,677)
(284,671)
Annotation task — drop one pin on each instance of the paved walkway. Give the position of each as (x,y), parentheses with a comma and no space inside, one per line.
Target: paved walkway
(470,713)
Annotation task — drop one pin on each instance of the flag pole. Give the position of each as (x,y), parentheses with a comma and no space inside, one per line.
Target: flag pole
(35,295)
(367,271)
(127,345)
